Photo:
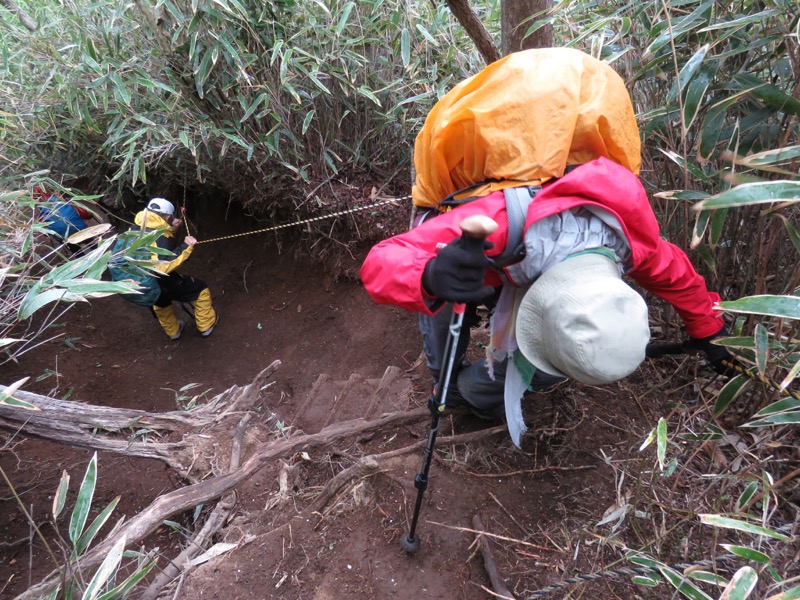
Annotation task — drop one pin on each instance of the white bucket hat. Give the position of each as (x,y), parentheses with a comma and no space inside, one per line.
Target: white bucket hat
(580,320)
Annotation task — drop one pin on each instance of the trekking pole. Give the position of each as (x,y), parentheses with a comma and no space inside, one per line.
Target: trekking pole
(474,229)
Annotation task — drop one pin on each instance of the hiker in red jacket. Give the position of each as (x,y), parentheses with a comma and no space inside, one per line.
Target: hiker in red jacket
(555,127)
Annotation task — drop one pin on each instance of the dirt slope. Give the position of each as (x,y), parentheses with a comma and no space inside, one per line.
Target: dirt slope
(276,305)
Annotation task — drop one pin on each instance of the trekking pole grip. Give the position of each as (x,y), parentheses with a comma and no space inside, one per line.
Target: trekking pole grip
(476,229)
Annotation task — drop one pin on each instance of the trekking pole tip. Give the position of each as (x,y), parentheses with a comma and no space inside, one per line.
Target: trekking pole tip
(409,544)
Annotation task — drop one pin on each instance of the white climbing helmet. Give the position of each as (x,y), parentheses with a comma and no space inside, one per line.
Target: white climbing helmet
(160,205)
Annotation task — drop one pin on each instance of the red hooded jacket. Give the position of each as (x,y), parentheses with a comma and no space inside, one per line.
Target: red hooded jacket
(392,272)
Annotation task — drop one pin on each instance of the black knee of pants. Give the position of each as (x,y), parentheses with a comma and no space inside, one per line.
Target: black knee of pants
(179,288)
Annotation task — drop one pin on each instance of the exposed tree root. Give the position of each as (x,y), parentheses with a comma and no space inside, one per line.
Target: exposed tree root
(213,524)
(498,583)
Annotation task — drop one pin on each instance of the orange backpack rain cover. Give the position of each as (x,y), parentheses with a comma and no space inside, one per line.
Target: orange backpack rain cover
(521,121)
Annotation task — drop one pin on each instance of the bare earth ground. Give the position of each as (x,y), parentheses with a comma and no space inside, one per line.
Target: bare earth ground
(547,497)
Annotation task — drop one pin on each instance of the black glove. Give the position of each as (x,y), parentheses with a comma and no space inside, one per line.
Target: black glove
(456,273)
(717,355)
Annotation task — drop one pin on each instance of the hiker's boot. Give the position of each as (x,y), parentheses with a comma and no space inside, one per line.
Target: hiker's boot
(210,330)
(181,325)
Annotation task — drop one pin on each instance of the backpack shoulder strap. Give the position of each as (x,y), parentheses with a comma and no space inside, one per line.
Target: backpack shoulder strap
(518,199)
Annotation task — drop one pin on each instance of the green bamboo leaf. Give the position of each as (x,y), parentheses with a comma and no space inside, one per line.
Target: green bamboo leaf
(762,347)
(717,225)
(287,59)
(650,581)
(687,72)
(769,94)
(368,94)
(343,19)
(700,226)
(7,396)
(774,306)
(794,235)
(61,494)
(661,442)
(748,553)
(405,46)
(253,107)
(91,49)
(127,585)
(708,257)
(107,568)
(793,593)
(742,584)
(34,300)
(649,439)
(313,76)
(120,87)
(11,401)
(683,585)
(202,73)
(739,22)
(91,531)
(427,35)
(696,93)
(745,496)
(646,561)
(728,523)
(790,376)
(771,157)
(689,195)
(748,194)
(729,393)
(84,502)
(307,121)
(673,34)
(696,171)
(707,577)
(789,418)
(290,88)
(624,26)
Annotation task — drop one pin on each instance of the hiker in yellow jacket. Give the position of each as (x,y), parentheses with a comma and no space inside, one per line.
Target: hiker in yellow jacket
(160,214)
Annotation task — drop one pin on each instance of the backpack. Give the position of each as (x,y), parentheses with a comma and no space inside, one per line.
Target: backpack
(124,267)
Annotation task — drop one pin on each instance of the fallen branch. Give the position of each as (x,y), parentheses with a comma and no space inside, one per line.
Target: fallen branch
(498,583)
(128,431)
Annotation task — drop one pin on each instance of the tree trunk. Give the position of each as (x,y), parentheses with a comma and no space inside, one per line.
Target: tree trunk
(24,17)
(517,17)
(475,29)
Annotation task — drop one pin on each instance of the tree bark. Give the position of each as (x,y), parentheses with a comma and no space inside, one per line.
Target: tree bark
(517,17)
(23,17)
(475,29)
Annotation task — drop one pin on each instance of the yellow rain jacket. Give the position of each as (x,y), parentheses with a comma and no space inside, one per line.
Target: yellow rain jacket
(521,121)
(149,220)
